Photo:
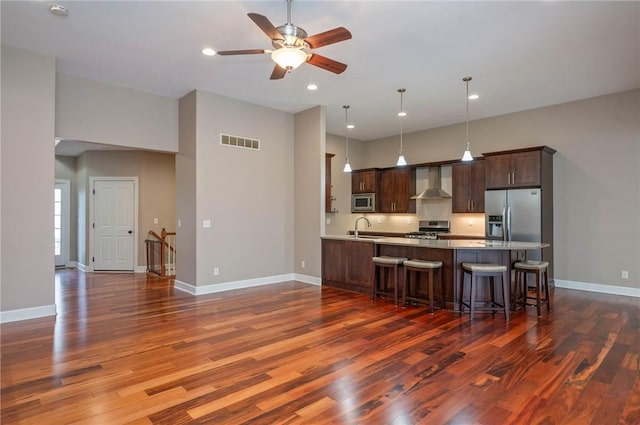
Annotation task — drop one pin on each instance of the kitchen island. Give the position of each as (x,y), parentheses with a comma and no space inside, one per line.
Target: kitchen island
(346,260)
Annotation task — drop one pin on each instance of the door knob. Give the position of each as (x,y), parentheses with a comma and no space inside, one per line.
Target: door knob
(130,232)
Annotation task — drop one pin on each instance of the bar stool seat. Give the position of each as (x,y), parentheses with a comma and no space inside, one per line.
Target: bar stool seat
(475,270)
(539,269)
(382,263)
(422,266)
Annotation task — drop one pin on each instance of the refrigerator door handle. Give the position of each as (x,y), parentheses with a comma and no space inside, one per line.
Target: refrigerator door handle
(504,224)
(509,224)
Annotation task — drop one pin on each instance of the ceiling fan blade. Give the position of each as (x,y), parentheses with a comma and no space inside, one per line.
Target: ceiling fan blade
(278,73)
(328,37)
(242,52)
(265,25)
(326,63)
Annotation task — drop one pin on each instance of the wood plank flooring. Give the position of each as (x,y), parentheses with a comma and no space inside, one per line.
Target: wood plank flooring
(126,349)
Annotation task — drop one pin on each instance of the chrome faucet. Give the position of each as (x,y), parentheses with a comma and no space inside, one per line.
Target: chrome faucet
(356,226)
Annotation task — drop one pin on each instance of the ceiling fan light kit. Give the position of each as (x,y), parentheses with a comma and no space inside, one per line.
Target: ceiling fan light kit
(289,58)
(292,46)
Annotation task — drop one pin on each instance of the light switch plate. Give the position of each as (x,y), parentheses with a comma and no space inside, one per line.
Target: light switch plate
(206,223)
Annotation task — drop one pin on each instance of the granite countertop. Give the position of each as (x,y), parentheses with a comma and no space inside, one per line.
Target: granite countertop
(445,244)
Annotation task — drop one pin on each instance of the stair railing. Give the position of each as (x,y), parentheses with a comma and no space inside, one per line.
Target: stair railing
(161,253)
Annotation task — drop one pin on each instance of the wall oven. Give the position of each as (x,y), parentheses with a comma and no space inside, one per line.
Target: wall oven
(363,202)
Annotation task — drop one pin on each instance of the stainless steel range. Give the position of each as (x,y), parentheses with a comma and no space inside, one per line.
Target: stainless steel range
(429,229)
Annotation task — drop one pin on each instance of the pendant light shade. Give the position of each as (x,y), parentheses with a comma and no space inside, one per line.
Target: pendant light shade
(467,152)
(401,159)
(347,165)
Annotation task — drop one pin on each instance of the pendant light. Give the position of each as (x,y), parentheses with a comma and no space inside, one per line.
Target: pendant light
(467,152)
(347,165)
(401,160)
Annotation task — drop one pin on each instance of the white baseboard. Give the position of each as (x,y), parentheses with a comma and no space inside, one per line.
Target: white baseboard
(140,269)
(312,280)
(597,287)
(27,313)
(71,265)
(84,268)
(241,284)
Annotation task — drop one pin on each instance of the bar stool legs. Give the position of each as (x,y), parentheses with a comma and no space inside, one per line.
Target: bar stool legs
(422,266)
(381,263)
(475,270)
(539,269)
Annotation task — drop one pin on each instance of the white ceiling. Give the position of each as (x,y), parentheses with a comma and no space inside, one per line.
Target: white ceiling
(521,55)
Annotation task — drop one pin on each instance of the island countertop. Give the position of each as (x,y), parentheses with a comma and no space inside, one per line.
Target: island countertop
(445,244)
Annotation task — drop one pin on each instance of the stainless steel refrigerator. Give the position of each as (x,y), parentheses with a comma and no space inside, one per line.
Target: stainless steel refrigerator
(514,215)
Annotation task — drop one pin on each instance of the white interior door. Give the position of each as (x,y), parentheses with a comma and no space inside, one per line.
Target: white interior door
(114,218)
(61,221)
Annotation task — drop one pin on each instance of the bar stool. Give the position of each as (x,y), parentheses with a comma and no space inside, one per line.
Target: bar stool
(422,266)
(539,269)
(475,270)
(392,264)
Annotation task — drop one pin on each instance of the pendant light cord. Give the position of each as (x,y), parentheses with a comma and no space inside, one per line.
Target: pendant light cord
(467,81)
(346,124)
(401,135)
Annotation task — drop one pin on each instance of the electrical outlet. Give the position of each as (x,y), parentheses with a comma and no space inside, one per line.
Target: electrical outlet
(624,274)
(302,264)
(408,221)
(216,271)
(328,221)
(179,223)
(206,224)
(155,220)
(379,220)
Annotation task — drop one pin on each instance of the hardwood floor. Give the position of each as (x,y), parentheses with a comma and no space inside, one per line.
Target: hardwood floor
(126,349)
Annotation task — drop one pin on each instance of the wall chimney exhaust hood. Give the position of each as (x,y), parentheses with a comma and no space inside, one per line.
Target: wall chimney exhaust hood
(434,189)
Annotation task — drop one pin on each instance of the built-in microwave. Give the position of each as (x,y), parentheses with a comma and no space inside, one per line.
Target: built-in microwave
(363,202)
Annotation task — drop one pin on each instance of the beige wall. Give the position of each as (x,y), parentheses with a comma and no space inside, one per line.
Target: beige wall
(186,237)
(342,220)
(98,112)
(156,191)
(66,169)
(596,175)
(309,190)
(28,114)
(246,194)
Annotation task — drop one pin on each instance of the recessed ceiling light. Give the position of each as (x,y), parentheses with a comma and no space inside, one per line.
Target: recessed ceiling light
(402,114)
(59,10)
(473,96)
(312,86)
(208,51)
(351,126)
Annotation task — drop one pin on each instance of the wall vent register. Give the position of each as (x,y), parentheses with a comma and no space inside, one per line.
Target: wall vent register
(239,142)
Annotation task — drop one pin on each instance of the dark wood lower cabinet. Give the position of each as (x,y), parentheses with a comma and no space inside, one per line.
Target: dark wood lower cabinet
(347,265)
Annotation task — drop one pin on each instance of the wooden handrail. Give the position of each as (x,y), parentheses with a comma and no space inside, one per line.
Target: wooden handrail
(164,245)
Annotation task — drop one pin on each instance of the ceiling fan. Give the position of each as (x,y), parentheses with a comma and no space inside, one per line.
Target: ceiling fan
(292,46)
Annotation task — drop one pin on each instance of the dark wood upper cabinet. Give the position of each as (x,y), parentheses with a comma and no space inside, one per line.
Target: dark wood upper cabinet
(519,168)
(468,187)
(397,186)
(364,181)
